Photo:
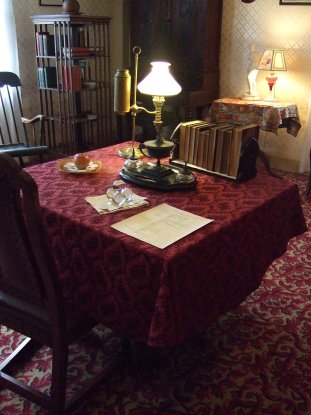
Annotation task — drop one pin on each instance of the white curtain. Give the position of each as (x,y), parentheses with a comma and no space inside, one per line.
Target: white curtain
(8,56)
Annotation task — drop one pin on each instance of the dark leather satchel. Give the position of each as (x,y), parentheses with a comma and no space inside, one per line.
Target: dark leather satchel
(247,162)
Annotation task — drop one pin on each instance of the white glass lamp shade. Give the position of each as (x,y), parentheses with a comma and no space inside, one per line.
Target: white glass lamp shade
(159,82)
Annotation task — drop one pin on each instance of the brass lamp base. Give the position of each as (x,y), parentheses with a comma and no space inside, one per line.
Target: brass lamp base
(162,179)
(127,152)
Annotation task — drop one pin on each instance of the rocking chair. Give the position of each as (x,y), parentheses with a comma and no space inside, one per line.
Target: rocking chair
(14,126)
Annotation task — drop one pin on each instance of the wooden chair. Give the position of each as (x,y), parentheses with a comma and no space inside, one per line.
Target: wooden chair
(14,134)
(31,300)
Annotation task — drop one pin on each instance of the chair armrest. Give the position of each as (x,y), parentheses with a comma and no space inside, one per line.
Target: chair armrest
(34,119)
(37,136)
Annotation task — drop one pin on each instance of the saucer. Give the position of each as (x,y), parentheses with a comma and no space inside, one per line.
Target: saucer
(68,166)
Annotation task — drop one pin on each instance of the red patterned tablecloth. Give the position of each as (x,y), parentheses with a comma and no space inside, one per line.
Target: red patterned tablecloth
(161,297)
(269,116)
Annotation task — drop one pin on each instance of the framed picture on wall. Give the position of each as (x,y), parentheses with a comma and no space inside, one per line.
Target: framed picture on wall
(50,2)
(295,3)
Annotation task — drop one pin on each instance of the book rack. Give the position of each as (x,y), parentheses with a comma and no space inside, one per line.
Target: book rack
(73,69)
(223,150)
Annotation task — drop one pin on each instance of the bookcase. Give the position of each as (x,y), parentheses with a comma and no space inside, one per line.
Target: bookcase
(223,149)
(73,70)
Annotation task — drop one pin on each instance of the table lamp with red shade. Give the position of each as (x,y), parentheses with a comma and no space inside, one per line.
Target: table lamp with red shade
(272,60)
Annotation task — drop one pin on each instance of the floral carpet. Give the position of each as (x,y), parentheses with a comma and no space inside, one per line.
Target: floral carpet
(255,360)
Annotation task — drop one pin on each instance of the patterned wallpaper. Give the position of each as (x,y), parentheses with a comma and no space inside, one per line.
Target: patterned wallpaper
(247,30)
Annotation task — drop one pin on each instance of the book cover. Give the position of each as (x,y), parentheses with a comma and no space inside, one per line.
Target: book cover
(76,75)
(182,139)
(199,144)
(193,143)
(226,148)
(206,136)
(202,147)
(41,81)
(218,149)
(50,77)
(71,78)
(76,52)
(188,127)
(48,45)
(211,158)
(40,42)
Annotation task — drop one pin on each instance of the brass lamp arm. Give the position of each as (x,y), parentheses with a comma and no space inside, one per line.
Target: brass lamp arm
(135,108)
(158,104)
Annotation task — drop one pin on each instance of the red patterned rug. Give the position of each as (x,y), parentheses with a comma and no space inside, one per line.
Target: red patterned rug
(253,361)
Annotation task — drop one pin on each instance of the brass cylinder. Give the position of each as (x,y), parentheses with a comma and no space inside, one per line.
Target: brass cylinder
(122,91)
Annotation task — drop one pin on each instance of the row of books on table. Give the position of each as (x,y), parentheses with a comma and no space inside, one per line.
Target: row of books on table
(213,147)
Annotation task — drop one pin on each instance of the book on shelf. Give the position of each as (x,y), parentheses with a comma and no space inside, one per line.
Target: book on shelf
(45,45)
(209,162)
(193,141)
(71,78)
(202,144)
(50,77)
(48,45)
(183,138)
(213,143)
(218,149)
(47,77)
(78,36)
(39,43)
(40,75)
(187,138)
(226,151)
(76,52)
(206,136)
(79,49)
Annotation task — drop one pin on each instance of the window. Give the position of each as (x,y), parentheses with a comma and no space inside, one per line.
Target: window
(8,56)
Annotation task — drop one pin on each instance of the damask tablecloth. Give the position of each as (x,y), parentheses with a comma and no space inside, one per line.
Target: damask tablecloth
(162,297)
(268,115)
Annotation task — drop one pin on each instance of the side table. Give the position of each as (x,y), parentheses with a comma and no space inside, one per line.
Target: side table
(270,116)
